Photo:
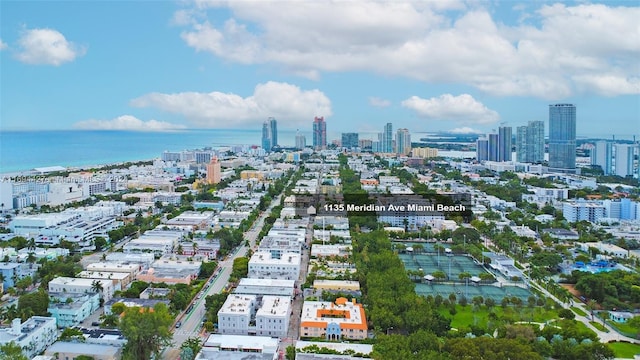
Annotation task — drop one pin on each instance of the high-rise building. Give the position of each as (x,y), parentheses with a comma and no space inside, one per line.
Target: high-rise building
(319,133)
(562,138)
(403,141)
(387,138)
(365,144)
(213,171)
(269,134)
(504,143)
(602,155)
(266,136)
(349,140)
(494,147)
(624,159)
(273,126)
(301,141)
(530,142)
(482,149)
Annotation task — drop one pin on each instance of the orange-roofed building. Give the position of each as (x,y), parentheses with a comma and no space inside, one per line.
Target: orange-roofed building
(343,319)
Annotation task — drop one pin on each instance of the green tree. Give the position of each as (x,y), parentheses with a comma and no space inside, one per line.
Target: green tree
(146,330)
(36,302)
(192,343)
(11,351)
(72,334)
(118,308)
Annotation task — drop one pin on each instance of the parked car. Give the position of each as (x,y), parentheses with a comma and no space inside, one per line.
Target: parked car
(178,324)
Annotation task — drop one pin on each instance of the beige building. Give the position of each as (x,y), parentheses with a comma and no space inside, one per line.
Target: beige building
(424,152)
(213,171)
(342,320)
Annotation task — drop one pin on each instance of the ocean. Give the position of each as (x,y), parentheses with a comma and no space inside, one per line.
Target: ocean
(25,150)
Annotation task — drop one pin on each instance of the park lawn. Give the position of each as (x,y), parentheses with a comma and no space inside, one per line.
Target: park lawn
(624,350)
(578,311)
(465,316)
(584,327)
(598,326)
(623,327)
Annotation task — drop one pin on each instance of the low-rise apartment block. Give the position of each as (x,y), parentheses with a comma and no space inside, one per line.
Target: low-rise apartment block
(263,266)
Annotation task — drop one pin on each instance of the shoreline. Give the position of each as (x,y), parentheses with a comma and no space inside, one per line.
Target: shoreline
(76,168)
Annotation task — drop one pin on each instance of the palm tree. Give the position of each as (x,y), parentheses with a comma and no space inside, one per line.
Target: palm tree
(591,305)
(96,286)
(439,275)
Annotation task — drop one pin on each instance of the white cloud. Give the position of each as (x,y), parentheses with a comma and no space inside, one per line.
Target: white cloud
(544,55)
(464,130)
(378,102)
(46,47)
(462,109)
(127,122)
(287,103)
(3,45)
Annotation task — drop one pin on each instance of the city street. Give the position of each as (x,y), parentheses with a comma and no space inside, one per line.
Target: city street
(192,321)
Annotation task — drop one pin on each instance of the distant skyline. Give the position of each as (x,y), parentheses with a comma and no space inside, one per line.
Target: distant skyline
(461,66)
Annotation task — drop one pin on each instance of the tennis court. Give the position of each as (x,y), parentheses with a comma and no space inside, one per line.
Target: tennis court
(451,265)
(470,291)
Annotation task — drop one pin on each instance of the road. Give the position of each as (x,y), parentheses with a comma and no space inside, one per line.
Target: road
(192,321)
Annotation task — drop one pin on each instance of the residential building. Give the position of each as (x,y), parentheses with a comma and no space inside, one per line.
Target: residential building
(494,147)
(70,350)
(117,267)
(535,142)
(403,141)
(220,346)
(273,131)
(579,210)
(120,279)
(319,133)
(424,152)
(334,321)
(272,316)
(33,336)
(602,155)
(82,286)
(504,143)
(562,138)
(301,141)
(12,272)
(71,309)
(213,171)
(350,140)
(171,272)
(263,266)
(276,287)
(482,149)
(624,159)
(236,314)
(387,138)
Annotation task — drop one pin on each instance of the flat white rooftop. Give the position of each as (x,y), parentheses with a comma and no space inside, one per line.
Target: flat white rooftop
(229,342)
(238,304)
(274,306)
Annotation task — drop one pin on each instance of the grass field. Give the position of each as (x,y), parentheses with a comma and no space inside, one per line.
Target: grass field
(623,327)
(624,350)
(598,326)
(578,311)
(466,316)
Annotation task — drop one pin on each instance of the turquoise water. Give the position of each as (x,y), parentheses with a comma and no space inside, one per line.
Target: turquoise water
(25,150)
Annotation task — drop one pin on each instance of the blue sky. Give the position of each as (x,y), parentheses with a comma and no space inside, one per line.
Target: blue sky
(427,66)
